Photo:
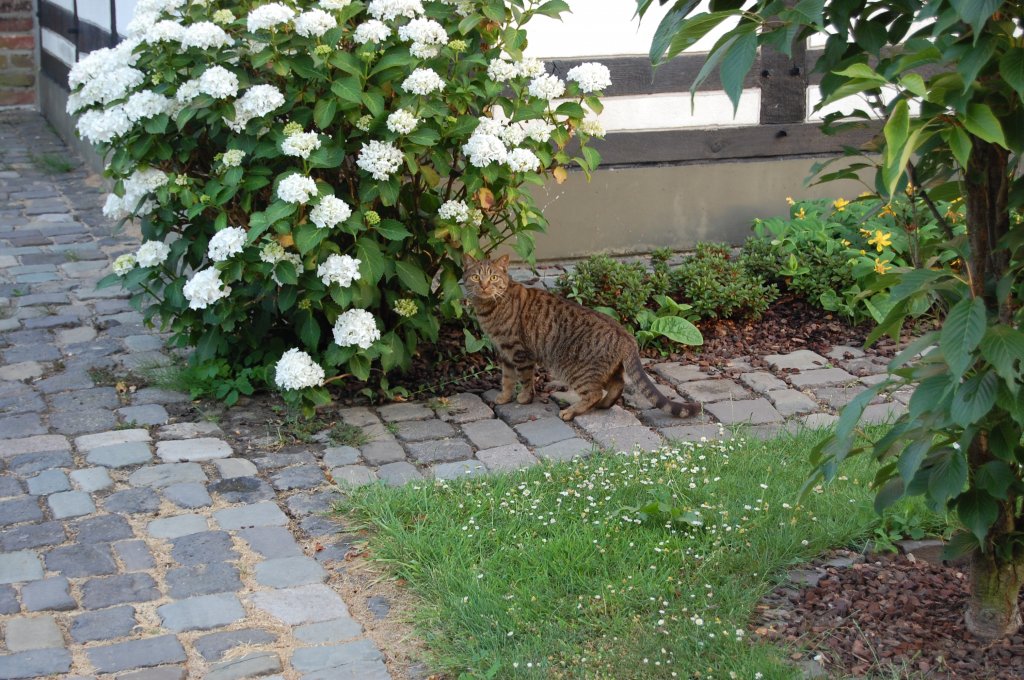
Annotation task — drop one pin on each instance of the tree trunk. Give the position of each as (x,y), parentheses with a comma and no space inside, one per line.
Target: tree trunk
(992,611)
(987,186)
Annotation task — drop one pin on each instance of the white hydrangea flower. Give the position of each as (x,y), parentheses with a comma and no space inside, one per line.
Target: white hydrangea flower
(454,211)
(537,129)
(423,81)
(489,126)
(123,264)
(334,5)
(300,144)
(356,327)
(205,35)
(205,288)
(138,186)
(225,243)
(109,85)
(547,86)
(330,212)
(102,62)
(152,253)
(218,82)
(387,10)
(501,71)
(314,23)
(591,76)
(296,188)
(187,91)
(380,159)
(484,149)
(402,121)
(164,31)
(142,22)
(372,30)
(592,127)
(102,126)
(145,104)
(426,35)
(114,209)
(522,160)
(267,16)
(232,158)
(339,269)
(296,370)
(257,101)
(223,16)
(530,68)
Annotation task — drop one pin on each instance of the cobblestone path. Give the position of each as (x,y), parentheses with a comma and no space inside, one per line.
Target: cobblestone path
(136,546)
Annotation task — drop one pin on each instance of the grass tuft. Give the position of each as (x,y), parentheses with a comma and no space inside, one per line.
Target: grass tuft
(52,163)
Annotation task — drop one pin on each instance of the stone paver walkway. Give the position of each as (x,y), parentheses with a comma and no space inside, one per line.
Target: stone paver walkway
(132,546)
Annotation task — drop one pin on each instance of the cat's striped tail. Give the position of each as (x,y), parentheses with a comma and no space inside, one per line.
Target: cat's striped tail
(636,374)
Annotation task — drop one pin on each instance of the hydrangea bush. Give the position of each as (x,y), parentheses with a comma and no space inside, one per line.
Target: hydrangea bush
(308,174)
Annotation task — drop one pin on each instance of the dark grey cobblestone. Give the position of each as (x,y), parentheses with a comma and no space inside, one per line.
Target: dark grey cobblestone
(213,645)
(50,594)
(98,593)
(32,536)
(202,579)
(108,624)
(79,560)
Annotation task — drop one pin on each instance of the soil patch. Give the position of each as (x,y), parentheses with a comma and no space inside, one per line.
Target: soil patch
(889,615)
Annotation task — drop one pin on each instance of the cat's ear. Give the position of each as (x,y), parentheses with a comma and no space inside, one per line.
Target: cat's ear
(502,262)
(467,261)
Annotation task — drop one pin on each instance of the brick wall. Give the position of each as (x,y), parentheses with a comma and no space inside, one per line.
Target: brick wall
(17,53)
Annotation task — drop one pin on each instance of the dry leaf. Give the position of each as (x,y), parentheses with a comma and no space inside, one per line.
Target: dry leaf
(560,174)
(485,198)
(285,240)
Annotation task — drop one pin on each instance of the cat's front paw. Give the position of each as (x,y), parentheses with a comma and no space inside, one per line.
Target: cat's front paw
(525,397)
(503,398)
(566,414)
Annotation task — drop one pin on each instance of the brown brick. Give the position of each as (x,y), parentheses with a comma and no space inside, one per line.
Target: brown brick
(17,97)
(15,24)
(17,79)
(15,6)
(21,60)
(17,42)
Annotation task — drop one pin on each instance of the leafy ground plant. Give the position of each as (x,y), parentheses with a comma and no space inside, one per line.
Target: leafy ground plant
(642,565)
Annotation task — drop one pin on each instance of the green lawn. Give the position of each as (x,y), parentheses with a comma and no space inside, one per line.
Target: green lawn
(550,572)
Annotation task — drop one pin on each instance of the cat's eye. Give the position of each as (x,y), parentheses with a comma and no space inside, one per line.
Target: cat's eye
(494,278)
(474,277)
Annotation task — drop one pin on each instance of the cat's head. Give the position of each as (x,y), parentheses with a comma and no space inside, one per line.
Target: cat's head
(485,279)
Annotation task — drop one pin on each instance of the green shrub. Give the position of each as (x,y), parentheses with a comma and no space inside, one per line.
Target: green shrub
(600,282)
(718,287)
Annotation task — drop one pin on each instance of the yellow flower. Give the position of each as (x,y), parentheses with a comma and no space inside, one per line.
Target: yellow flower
(881,266)
(865,232)
(800,214)
(790,201)
(845,243)
(887,210)
(865,194)
(863,252)
(840,204)
(880,240)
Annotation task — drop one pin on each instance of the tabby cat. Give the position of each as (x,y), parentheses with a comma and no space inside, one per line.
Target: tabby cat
(587,350)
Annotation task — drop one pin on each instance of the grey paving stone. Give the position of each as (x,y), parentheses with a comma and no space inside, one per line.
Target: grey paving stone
(143,343)
(212,646)
(132,501)
(359,416)
(242,490)
(108,624)
(202,579)
(310,502)
(749,411)
(27,463)
(162,673)
(462,408)
(78,560)
(815,421)
(143,653)
(565,450)
(337,456)
(398,474)
(422,430)
(24,370)
(188,495)
(102,529)
(17,510)
(93,398)
(73,336)
(22,425)
(99,593)
(515,413)
(253,515)
(134,555)
(36,444)
(679,373)
(289,571)
(77,379)
(47,482)
(628,438)
(882,413)
(458,469)
(36,632)
(19,566)
(300,604)
(70,504)
(35,664)
(353,475)
(821,376)
(762,381)
(792,402)
(606,419)
(298,477)
(507,458)
(359,659)
(153,395)
(9,599)
(802,359)
(382,452)
(120,455)
(271,542)
(9,486)
(485,434)
(86,420)
(234,467)
(872,380)
(695,433)
(248,666)
(178,526)
(838,396)
(203,548)
(320,525)
(706,391)
(94,441)
(544,431)
(159,476)
(283,460)
(92,479)
(201,613)
(48,594)
(188,430)
(394,413)
(439,451)
(336,630)
(186,450)
(146,414)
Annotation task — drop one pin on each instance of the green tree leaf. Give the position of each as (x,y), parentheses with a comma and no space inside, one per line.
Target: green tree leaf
(412,277)
(308,237)
(393,230)
(978,511)
(982,123)
(962,332)
(948,476)
(736,64)
(975,12)
(372,265)
(1011,68)
(1003,347)
(974,398)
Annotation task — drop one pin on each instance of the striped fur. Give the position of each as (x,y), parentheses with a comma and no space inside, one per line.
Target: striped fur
(587,350)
